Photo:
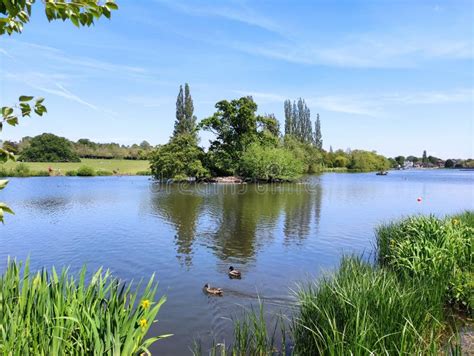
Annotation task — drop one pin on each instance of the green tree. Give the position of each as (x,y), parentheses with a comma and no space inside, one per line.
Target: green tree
(179,124)
(185,120)
(400,160)
(424,159)
(49,148)
(318,137)
(449,163)
(235,126)
(190,119)
(270,164)
(179,159)
(13,16)
(288,117)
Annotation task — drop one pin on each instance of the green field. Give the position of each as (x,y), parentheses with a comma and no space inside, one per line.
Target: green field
(121,166)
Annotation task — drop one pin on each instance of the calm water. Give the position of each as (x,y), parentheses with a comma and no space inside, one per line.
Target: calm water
(276,235)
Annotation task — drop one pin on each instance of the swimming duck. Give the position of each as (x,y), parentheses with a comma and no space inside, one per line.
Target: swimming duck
(212,290)
(234,273)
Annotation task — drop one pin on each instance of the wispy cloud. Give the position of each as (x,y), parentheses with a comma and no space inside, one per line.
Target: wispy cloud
(51,84)
(372,105)
(234,11)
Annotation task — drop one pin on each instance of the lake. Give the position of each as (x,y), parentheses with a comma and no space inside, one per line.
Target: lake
(277,235)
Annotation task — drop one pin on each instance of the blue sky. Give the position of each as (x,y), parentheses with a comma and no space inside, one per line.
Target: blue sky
(392,76)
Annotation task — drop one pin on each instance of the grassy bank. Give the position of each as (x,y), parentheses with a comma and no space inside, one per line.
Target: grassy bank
(404,303)
(59,314)
(112,166)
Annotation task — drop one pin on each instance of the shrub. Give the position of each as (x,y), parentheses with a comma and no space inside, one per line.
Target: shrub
(143,173)
(58,314)
(269,164)
(102,172)
(85,171)
(438,250)
(363,310)
(71,173)
(21,170)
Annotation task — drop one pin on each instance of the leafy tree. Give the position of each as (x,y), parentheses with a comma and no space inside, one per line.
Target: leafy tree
(365,161)
(49,148)
(179,159)
(185,120)
(309,155)
(341,161)
(14,14)
(449,163)
(235,126)
(424,158)
(261,162)
(10,146)
(400,160)
(288,117)
(318,137)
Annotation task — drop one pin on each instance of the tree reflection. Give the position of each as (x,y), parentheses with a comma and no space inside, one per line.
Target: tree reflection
(237,220)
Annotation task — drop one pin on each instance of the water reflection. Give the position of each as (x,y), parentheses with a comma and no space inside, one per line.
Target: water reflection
(182,210)
(236,221)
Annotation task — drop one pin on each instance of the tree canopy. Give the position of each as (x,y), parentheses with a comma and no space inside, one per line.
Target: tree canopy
(49,148)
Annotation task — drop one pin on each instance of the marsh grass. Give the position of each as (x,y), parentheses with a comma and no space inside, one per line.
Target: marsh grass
(255,333)
(364,309)
(51,313)
(438,251)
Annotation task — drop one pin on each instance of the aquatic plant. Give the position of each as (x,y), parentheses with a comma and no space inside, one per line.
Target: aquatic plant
(51,313)
(438,251)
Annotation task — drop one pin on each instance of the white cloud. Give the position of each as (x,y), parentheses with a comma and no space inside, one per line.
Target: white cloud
(373,105)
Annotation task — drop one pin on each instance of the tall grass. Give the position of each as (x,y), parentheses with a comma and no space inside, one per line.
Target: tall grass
(56,314)
(362,310)
(254,334)
(439,251)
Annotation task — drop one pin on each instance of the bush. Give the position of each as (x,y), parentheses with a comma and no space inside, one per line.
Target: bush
(143,173)
(269,164)
(85,171)
(363,310)
(58,314)
(438,250)
(102,172)
(21,170)
(71,173)
(181,157)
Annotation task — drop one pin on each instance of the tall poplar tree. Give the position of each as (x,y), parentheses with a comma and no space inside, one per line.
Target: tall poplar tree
(185,120)
(179,124)
(288,117)
(318,137)
(190,119)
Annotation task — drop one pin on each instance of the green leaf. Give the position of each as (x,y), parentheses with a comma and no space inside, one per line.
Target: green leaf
(3,183)
(6,208)
(25,98)
(111,5)
(6,111)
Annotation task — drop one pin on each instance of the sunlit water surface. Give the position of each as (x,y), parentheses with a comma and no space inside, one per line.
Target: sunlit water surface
(277,235)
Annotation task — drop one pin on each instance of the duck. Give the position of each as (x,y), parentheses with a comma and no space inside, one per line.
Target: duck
(234,273)
(212,290)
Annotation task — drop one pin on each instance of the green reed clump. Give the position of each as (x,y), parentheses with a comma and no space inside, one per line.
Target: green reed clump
(439,251)
(363,309)
(254,334)
(57,314)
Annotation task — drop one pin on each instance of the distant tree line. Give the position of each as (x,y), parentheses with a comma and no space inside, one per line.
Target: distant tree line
(48,147)
(251,145)
(428,161)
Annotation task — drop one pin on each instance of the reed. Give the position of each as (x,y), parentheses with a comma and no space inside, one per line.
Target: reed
(51,313)
(438,251)
(363,309)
